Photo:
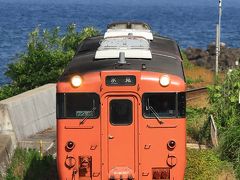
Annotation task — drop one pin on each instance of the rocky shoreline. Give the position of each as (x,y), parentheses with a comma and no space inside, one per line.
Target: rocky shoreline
(206,58)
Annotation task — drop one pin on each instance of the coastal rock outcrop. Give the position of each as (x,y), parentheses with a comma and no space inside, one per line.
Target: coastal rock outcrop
(207,58)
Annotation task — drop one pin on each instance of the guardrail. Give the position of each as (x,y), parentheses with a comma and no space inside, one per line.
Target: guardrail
(214,134)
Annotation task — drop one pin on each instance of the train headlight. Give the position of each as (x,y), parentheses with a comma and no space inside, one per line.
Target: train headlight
(165,80)
(76,81)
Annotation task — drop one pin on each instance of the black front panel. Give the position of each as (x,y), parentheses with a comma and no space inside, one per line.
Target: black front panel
(78,105)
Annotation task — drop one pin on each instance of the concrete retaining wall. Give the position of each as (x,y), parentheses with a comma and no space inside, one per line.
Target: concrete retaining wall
(28,113)
(22,116)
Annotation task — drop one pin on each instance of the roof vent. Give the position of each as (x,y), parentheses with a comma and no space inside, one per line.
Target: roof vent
(147,34)
(122,59)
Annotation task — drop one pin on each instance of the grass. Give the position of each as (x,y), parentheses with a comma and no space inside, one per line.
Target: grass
(197,126)
(27,165)
(230,147)
(196,76)
(205,164)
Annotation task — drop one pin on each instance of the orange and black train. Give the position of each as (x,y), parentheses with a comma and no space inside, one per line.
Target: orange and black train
(121,108)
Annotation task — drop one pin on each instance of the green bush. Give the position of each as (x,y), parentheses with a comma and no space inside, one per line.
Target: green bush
(9,90)
(223,97)
(186,63)
(230,147)
(47,54)
(198,125)
(27,164)
(204,164)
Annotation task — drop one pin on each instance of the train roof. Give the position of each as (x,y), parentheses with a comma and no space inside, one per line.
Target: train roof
(165,58)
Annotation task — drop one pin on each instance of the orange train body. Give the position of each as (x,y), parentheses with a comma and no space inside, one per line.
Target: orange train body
(116,136)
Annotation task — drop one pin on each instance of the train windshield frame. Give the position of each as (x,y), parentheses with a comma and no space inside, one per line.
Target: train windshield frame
(78,105)
(166,105)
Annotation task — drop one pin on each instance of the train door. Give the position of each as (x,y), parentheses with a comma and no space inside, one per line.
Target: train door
(120,116)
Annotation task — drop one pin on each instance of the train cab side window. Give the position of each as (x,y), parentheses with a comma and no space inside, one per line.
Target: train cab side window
(164,105)
(78,105)
(121,112)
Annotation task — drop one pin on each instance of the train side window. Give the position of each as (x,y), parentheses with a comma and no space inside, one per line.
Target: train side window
(121,112)
(78,105)
(164,104)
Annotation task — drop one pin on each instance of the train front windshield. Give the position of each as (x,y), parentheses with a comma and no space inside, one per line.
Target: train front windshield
(166,105)
(78,105)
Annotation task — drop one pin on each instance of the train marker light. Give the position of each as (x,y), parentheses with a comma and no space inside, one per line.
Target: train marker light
(171,144)
(76,81)
(70,145)
(165,80)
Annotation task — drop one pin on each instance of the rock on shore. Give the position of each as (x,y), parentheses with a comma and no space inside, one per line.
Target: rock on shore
(207,58)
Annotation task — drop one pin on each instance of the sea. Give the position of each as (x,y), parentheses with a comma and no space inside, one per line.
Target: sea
(191,24)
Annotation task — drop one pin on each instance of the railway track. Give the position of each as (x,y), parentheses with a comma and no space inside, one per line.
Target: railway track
(195,93)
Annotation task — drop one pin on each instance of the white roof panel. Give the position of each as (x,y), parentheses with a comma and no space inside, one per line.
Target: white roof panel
(125,32)
(133,47)
(129,53)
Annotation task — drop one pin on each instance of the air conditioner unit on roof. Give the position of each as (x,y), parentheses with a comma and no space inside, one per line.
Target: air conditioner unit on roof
(133,47)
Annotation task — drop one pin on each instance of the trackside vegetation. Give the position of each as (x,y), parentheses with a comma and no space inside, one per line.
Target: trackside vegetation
(225,107)
(205,164)
(28,164)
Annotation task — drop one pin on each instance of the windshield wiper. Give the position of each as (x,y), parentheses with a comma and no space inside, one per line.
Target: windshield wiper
(87,115)
(155,114)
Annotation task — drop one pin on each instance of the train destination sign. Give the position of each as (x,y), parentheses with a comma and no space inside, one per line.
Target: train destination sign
(120,80)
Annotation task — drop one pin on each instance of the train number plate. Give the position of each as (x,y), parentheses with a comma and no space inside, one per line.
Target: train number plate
(120,80)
